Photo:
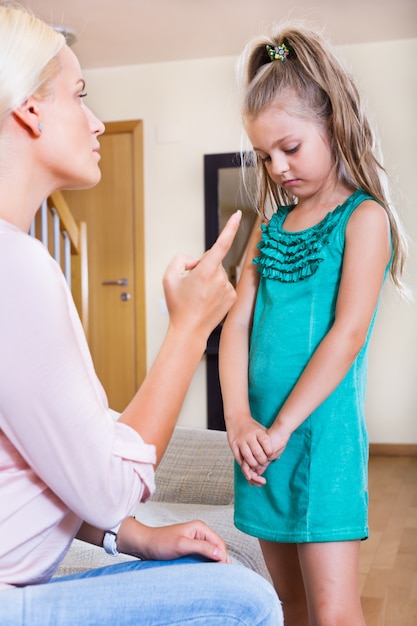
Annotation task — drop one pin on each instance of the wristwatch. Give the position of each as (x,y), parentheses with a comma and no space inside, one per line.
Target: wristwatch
(109,541)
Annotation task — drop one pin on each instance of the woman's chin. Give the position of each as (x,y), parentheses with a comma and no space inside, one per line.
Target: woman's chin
(84,182)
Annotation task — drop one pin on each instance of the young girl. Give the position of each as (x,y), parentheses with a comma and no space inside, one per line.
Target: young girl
(293,353)
(66,468)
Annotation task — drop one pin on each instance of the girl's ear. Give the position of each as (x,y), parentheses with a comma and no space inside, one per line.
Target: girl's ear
(28,116)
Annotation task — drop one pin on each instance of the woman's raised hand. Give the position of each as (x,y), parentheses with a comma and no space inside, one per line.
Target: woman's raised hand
(198,292)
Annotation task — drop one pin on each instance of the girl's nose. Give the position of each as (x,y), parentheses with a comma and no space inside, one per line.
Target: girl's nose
(279,165)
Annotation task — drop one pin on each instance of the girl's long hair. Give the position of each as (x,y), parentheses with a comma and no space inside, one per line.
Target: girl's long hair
(322,90)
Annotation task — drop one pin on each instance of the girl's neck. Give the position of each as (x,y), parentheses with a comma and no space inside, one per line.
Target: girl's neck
(311,210)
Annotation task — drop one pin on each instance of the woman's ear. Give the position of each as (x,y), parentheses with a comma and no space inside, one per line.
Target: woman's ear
(29,117)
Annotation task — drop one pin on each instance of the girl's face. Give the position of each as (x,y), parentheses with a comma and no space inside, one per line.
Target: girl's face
(295,151)
(70,149)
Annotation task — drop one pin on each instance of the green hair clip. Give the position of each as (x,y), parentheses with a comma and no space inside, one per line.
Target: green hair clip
(278,52)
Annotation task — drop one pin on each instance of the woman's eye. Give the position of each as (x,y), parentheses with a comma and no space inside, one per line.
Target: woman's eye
(83,95)
(292,150)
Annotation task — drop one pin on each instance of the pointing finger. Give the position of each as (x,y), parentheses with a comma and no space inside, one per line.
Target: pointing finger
(224,241)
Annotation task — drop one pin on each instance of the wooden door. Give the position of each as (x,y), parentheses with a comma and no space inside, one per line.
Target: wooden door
(113,211)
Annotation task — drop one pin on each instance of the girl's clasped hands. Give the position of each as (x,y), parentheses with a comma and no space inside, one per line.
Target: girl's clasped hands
(255,447)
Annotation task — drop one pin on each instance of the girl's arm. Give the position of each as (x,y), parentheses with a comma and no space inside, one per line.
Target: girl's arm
(247,438)
(367,254)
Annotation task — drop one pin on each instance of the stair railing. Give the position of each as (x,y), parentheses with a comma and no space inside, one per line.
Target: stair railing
(66,241)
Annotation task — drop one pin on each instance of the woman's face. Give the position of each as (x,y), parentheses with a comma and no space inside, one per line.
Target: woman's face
(69,144)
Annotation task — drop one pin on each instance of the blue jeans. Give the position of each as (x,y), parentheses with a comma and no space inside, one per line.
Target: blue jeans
(158,593)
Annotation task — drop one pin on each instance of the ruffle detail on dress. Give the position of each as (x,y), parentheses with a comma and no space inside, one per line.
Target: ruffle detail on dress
(293,256)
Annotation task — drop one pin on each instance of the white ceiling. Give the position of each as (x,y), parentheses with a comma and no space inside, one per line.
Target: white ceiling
(126,32)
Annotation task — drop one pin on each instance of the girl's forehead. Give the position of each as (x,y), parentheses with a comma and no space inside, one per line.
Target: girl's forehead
(276,126)
(291,113)
(273,117)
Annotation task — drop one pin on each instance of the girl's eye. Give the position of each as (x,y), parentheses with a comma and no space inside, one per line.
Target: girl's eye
(292,150)
(83,95)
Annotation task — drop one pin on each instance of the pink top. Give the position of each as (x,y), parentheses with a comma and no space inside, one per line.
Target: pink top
(63,458)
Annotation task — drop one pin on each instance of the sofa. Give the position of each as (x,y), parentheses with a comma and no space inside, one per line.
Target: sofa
(193,481)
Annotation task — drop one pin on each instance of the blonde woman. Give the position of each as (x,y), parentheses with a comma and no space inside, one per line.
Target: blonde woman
(66,469)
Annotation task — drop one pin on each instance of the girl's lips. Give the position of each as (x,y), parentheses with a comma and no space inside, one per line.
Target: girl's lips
(290,182)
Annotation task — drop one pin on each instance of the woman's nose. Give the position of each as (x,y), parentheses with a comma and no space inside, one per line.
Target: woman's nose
(99,126)
(96,125)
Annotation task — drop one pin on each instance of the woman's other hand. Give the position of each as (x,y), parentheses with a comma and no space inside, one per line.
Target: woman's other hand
(170,542)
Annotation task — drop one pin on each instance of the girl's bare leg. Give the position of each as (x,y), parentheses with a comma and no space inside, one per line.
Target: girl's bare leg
(282,562)
(331,580)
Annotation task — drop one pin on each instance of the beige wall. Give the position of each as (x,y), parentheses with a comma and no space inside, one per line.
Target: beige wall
(191,109)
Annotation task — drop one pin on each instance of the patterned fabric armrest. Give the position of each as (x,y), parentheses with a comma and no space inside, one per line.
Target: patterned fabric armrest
(197,468)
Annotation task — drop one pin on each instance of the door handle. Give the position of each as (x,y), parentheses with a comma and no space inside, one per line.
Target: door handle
(122,282)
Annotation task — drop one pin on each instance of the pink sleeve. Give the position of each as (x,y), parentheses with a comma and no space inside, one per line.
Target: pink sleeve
(53,408)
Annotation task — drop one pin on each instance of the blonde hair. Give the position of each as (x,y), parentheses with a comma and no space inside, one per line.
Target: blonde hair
(325,93)
(28,49)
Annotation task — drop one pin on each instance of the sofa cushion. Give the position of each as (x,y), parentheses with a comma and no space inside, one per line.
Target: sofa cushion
(196,467)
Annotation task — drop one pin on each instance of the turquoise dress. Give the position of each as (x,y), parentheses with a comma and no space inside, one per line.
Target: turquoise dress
(317,491)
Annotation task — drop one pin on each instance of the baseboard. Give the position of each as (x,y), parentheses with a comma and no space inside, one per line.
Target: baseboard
(393,449)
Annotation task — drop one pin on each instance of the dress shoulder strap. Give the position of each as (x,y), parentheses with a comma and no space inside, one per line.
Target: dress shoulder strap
(347,208)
